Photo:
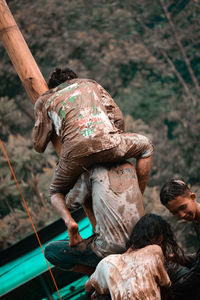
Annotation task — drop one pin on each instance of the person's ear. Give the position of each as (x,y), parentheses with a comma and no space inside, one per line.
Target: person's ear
(193,196)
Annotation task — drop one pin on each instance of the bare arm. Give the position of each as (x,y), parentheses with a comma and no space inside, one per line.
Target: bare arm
(143,167)
(76,197)
(59,204)
(98,283)
(88,208)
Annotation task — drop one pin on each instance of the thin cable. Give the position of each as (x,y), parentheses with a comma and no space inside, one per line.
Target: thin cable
(4,151)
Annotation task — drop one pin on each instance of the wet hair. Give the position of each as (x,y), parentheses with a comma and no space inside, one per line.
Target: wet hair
(173,189)
(149,229)
(59,76)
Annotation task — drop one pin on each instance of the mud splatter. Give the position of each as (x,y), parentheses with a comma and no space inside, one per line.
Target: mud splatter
(121,209)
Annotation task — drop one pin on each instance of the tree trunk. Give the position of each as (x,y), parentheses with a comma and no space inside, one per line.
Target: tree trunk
(181,48)
(22,59)
(178,75)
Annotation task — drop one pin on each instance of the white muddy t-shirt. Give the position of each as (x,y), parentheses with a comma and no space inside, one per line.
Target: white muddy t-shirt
(117,204)
(133,275)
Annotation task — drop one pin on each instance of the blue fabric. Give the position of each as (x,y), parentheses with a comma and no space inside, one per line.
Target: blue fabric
(60,254)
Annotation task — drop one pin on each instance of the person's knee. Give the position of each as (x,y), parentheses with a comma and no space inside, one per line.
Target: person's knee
(49,253)
(59,254)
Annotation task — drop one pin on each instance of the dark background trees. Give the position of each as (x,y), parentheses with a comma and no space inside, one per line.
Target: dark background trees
(145,53)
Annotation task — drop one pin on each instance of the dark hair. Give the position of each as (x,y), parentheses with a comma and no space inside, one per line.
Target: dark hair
(173,189)
(149,229)
(59,76)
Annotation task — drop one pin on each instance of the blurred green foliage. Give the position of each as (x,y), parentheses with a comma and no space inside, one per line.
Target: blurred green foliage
(145,53)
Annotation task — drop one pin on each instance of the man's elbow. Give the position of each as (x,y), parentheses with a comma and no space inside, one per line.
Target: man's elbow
(88,286)
(119,124)
(53,199)
(40,141)
(38,148)
(148,149)
(56,198)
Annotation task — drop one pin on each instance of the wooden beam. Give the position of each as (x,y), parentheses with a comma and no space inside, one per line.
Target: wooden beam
(22,59)
(20,54)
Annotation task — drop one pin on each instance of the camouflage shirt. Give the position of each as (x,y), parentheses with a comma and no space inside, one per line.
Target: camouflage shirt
(117,204)
(83,115)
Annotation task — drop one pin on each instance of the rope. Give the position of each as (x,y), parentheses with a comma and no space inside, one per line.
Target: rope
(4,151)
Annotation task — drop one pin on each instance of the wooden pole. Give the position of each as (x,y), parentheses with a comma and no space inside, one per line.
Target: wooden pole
(20,54)
(22,59)
(27,70)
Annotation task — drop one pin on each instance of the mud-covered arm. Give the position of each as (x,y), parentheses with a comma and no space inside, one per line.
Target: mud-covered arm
(59,204)
(76,197)
(81,195)
(143,167)
(97,281)
(162,276)
(106,280)
(143,155)
(41,133)
(80,192)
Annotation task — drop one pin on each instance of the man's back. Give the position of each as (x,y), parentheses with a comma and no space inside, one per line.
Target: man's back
(117,204)
(79,116)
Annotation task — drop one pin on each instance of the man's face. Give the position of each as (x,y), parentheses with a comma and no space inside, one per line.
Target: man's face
(184,207)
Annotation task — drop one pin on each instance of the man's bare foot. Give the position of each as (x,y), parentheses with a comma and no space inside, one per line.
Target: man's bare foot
(73,232)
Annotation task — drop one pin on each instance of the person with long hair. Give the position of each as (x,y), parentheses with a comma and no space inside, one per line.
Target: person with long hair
(140,273)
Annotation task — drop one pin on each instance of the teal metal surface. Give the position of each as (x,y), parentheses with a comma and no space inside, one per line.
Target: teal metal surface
(32,264)
(73,291)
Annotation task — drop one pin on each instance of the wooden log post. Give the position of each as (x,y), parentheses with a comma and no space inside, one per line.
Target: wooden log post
(20,54)
(22,59)
(28,70)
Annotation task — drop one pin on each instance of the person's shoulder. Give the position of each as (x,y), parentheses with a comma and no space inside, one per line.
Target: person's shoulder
(84,80)
(111,259)
(152,254)
(157,253)
(89,80)
(154,249)
(47,94)
(42,100)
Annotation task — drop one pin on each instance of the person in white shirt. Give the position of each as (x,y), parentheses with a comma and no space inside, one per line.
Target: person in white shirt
(117,205)
(140,272)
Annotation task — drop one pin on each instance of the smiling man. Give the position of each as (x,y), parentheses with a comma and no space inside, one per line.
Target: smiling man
(176,196)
